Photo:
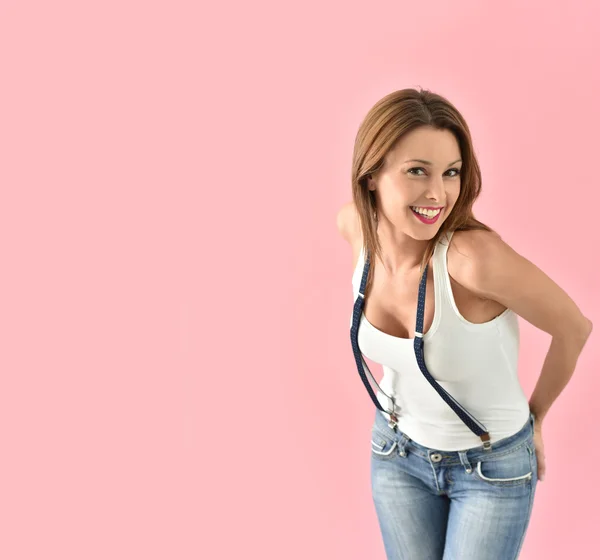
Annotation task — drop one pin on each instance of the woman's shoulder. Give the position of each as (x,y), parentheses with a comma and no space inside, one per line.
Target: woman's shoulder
(468,253)
(468,246)
(347,221)
(348,224)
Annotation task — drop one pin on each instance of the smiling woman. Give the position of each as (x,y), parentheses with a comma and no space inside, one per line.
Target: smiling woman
(437,296)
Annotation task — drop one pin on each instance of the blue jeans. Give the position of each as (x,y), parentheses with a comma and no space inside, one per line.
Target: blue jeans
(452,505)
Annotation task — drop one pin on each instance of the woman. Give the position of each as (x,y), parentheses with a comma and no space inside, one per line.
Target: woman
(456,447)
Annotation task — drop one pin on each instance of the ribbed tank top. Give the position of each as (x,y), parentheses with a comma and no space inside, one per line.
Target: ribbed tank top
(475,362)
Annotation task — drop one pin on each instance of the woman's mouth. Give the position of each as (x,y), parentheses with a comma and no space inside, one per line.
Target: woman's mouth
(426,216)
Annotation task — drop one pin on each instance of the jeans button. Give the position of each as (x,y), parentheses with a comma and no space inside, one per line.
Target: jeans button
(436,457)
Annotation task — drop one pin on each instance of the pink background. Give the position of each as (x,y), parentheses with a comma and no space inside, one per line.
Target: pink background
(177,380)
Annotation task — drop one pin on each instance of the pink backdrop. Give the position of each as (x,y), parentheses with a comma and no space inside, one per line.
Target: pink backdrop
(177,380)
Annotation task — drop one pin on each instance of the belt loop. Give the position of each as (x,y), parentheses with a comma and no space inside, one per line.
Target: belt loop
(402,442)
(465,461)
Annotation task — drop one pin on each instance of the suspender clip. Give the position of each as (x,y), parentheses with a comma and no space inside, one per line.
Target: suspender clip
(485,438)
(393,422)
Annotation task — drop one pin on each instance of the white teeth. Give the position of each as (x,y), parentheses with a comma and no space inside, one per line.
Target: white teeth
(426,213)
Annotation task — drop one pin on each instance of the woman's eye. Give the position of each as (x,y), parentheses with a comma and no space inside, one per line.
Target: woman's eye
(422,169)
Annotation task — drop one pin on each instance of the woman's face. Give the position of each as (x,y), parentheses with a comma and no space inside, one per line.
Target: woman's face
(403,184)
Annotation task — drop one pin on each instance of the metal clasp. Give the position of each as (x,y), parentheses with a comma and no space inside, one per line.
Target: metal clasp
(393,421)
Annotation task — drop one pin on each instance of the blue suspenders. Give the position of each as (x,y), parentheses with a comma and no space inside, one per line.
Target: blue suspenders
(472,423)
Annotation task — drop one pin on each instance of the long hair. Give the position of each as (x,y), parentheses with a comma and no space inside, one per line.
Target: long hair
(388,120)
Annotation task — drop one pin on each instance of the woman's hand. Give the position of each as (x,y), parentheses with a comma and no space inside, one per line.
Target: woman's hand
(539,449)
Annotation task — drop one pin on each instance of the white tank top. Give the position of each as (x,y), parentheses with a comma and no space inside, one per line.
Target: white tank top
(475,363)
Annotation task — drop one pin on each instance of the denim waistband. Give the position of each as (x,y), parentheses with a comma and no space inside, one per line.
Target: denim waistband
(499,447)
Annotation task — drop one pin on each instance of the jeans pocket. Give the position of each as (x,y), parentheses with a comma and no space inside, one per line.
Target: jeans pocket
(382,445)
(510,468)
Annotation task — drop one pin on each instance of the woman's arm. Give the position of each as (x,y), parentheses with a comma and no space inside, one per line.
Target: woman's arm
(558,367)
(492,269)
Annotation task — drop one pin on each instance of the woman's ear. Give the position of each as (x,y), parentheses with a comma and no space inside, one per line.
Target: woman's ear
(370,182)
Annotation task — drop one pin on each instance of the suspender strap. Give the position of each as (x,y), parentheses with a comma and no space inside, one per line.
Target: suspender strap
(469,420)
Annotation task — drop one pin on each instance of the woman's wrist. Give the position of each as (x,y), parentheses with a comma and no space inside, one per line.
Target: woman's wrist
(537,414)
